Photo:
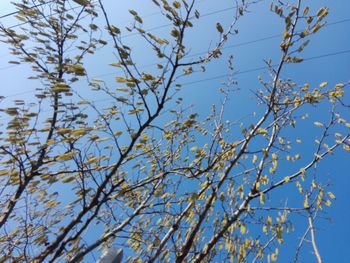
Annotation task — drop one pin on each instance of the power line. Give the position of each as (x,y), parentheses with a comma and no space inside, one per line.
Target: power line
(266,67)
(204,52)
(170,24)
(24,23)
(200,53)
(136,33)
(38,5)
(203,15)
(229,46)
(226,75)
(221,76)
(215,77)
(73,8)
(32,7)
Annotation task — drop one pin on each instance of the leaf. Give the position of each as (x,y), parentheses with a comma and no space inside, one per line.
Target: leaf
(262,131)
(219,28)
(316,28)
(63,131)
(118,133)
(60,87)
(194,148)
(116,64)
(243,229)
(138,19)
(322,12)
(323,84)
(82,2)
(65,156)
(4,172)
(265,229)
(255,158)
(79,132)
(188,70)
(306,202)
(286,179)
(269,220)
(175,33)
(197,14)
(133,12)
(68,179)
(262,198)
(120,79)
(12,111)
(177,4)
(114,29)
(331,195)
(328,203)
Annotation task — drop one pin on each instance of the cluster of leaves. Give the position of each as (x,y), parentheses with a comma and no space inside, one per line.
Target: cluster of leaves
(125,175)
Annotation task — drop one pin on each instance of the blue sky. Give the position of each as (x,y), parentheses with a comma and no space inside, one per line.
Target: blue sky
(250,51)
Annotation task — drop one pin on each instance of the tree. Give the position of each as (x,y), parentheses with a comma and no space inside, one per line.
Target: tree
(77,178)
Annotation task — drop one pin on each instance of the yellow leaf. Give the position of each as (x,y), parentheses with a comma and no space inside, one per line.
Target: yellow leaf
(323,84)
(269,220)
(61,87)
(79,132)
(331,195)
(255,158)
(262,131)
(262,198)
(65,156)
(63,131)
(265,229)
(3,172)
(118,133)
(306,202)
(116,64)
(243,229)
(82,2)
(177,4)
(318,124)
(120,79)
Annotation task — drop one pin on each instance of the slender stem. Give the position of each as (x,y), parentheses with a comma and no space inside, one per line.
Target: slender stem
(313,239)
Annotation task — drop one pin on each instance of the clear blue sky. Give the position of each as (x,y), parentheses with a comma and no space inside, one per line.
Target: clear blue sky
(333,237)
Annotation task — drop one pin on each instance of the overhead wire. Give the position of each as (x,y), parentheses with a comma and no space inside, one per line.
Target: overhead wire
(38,5)
(16,12)
(266,67)
(133,34)
(70,9)
(215,77)
(199,53)
(169,24)
(229,47)
(24,23)
(223,48)
(227,75)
